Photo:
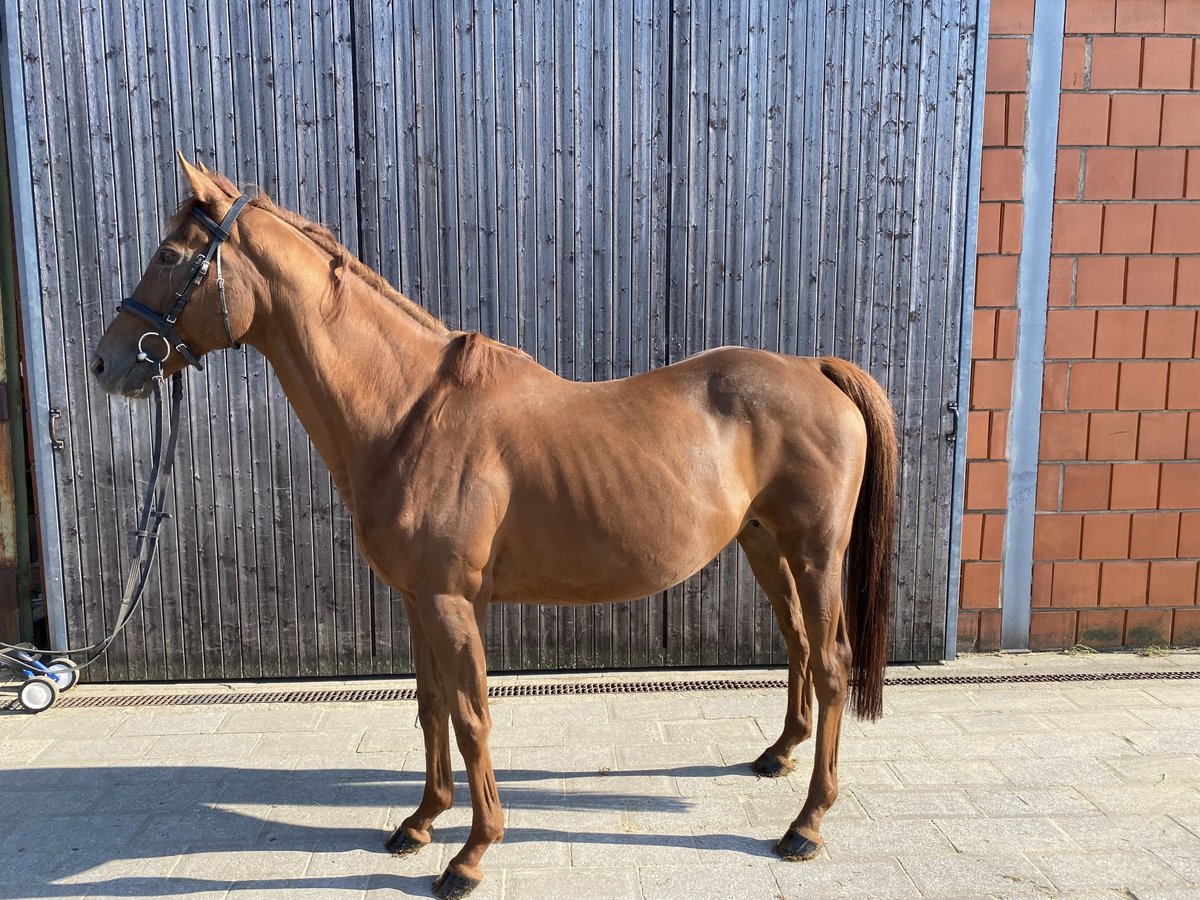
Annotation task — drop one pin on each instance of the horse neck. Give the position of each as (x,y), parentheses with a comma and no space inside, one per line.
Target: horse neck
(351,376)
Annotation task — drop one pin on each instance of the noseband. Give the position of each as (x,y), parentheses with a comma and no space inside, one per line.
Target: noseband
(165,325)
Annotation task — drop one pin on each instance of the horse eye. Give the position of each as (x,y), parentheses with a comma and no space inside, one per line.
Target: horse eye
(168,255)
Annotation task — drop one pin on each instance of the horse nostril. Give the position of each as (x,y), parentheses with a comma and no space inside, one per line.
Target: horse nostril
(97,365)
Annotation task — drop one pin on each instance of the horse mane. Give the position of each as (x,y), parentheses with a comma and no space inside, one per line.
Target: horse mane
(341,262)
(475,360)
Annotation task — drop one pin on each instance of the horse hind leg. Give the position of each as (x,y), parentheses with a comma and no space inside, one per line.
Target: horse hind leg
(774,575)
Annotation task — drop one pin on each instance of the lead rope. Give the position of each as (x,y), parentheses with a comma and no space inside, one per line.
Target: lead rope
(151,517)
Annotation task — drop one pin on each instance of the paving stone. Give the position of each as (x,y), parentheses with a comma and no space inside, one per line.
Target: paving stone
(867,839)
(1109,720)
(1005,723)
(596,883)
(1128,870)
(909,725)
(204,720)
(94,751)
(731,882)
(1130,699)
(712,731)
(1167,742)
(650,758)
(664,708)
(920,804)
(1163,797)
(931,699)
(1003,875)
(555,711)
(19,751)
(192,888)
(887,748)
(979,836)
(392,740)
(224,747)
(305,743)
(364,716)
(957,772)
(529,848)
(589,734)
(662,848)
(260,719)
(839,878)
(1089,744)
(1185,860)
(1123,832)
(241,865)
(1024,802)
(70,723)
(1155,769)
(1055,772)
(970,746)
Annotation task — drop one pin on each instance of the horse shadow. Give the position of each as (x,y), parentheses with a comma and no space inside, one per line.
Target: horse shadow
(123,830)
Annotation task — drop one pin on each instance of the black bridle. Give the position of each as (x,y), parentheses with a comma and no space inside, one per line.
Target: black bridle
(165,325)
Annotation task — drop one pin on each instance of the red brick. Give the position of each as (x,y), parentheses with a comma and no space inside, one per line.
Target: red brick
(1177,228)
(1134,486)
(1007,64)
(1070,333)
(1150,281)
(1180,485)
(978,424)
(1062,281)
(1154,535)
(1123,583)
(1135,120)
(994,116)
(1086,487)
(1049,481)
(1184,390)
(996,280)
(1054,386)
(1066,175)
(1090,16)
(998,435)
(1170,333)
(1160,174)
(1106,536)
(1183,17)
(972,536)
(1093,385)
(989,630)
(1181,120)
(1053,630)
(1116,63)
(1191,187)
(1075,584)
(1014,121)
(1077,228)
(1064,436)
(987,485)
(1143,385)
(991,546)
(983,334)
(1189,534)
(1108,174)
(1144,627)
(1168,64)
(1163,435)
(1187,282)
(1186,631)
(1172,582)
(1083,120)
(1011,215)
(967,637)
(1006,334)
(1074,64)
(1120,333)
(1128,227)
(1011,17)
(991,384)
(1000,174)
(1056,536)
(988,240)
(981,585)
(1112,436)
(1193,438)
(1101,281)
(1101,628)
(1139,16)
(1043,581)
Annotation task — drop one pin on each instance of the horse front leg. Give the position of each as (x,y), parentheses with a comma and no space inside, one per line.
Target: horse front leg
(454,628)
(433,712)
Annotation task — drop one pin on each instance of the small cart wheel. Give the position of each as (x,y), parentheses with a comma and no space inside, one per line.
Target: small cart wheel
(64,673)
(38,693)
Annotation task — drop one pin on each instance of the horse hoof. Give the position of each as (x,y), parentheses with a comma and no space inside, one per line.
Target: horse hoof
(794,847)
(401,843)
(450,885)
(771,766)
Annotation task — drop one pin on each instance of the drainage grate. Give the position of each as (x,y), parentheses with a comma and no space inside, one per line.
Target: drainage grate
(370,695)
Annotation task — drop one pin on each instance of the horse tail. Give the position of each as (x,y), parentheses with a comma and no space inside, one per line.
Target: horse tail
(869,576)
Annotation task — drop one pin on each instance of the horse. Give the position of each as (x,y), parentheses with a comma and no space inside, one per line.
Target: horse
(476,476)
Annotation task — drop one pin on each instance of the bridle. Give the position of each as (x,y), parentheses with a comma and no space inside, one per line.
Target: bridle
(165,325)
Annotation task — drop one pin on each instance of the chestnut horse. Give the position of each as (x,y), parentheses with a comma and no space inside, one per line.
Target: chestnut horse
(476,476)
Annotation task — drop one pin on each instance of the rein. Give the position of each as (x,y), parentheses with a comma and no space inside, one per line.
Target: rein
(154,499)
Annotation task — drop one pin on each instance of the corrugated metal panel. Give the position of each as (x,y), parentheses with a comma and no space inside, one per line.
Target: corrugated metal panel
(610,187)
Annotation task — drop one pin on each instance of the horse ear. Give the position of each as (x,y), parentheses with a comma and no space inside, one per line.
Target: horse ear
(202,186)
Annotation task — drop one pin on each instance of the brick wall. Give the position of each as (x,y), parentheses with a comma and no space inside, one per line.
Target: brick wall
(1117,527)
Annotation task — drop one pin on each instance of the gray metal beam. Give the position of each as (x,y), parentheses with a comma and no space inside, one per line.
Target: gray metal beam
(1033,281)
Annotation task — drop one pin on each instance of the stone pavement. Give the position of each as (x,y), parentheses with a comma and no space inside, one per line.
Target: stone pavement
(1082,790)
